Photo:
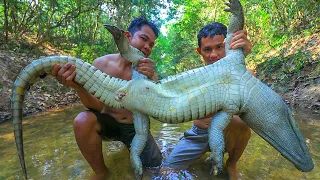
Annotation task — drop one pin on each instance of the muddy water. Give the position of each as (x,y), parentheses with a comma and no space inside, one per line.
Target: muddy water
(52,153)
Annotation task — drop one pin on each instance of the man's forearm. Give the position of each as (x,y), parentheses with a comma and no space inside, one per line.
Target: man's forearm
(155,77)
(89,100)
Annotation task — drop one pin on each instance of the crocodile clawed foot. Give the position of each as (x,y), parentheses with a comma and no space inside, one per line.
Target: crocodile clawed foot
(114,30)
(216,168)
(229,5)
(138,173)
(234,6)
(136,165)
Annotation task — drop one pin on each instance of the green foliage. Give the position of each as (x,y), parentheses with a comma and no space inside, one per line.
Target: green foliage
(178,48)
(270,25)
(71,25)
(76,27)
(286,65)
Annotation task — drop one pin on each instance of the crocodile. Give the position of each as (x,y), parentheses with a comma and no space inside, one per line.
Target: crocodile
(141,121)
(230,90)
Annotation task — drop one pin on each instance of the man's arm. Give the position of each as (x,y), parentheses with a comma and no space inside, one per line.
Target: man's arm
(240,40)
(65,76)
(146,67)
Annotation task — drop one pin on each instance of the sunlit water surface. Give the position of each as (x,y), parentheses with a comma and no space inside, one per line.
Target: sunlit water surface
(51,151)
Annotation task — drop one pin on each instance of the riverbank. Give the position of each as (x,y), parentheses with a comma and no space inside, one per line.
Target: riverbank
(293,71)
(44,95)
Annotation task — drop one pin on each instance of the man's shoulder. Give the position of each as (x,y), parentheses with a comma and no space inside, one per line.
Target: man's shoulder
(104,60)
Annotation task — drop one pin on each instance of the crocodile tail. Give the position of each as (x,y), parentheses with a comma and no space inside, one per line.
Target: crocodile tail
(29,75)
(101,85)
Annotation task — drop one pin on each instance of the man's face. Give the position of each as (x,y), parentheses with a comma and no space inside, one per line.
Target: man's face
(212,49)
(143,39)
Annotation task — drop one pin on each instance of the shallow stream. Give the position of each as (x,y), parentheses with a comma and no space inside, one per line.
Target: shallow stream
(52,153)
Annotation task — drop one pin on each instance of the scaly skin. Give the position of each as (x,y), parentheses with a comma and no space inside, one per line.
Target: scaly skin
(100,84)
(141,125)
(141,121)
(128,52)
(230,90)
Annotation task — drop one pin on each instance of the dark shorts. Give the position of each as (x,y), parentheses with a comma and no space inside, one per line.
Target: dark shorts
(111,129)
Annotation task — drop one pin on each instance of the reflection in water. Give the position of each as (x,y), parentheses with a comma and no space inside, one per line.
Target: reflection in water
(52,153)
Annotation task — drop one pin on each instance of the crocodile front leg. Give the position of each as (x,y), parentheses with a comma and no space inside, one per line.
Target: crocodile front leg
(141,126)
(216,140)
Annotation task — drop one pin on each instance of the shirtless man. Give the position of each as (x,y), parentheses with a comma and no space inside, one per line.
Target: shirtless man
(237,134)
(101,121)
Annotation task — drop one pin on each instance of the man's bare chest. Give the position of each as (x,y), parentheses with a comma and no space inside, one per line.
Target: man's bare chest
(125,74)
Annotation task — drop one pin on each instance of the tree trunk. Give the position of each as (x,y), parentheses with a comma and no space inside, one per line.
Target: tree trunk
(215,11)
(5,21)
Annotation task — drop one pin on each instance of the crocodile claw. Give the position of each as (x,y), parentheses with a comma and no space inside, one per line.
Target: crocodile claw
(115,31)
(137,170)
(234,7)
(138,174)
(216,168)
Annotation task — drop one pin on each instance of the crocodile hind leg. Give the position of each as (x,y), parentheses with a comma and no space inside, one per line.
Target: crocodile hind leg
(141,126)
(216,140)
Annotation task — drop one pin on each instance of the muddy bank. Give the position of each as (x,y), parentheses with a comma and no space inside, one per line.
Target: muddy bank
(293,71)
(43,95)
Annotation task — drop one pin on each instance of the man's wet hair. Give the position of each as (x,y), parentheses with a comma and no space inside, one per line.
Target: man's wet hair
(211,30)
(137,23)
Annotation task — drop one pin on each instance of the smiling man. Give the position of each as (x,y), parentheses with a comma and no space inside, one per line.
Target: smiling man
(237,134)
(104,122)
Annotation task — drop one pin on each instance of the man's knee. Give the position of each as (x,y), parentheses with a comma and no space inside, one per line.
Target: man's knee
(243,127)
(237,133)
(85,122)
(237,125)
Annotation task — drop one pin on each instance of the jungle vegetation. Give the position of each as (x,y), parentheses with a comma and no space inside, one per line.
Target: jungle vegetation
(75,27)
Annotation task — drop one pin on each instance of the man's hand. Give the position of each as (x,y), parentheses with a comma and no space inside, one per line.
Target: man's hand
(146,67)
(65,75)
(240,40)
